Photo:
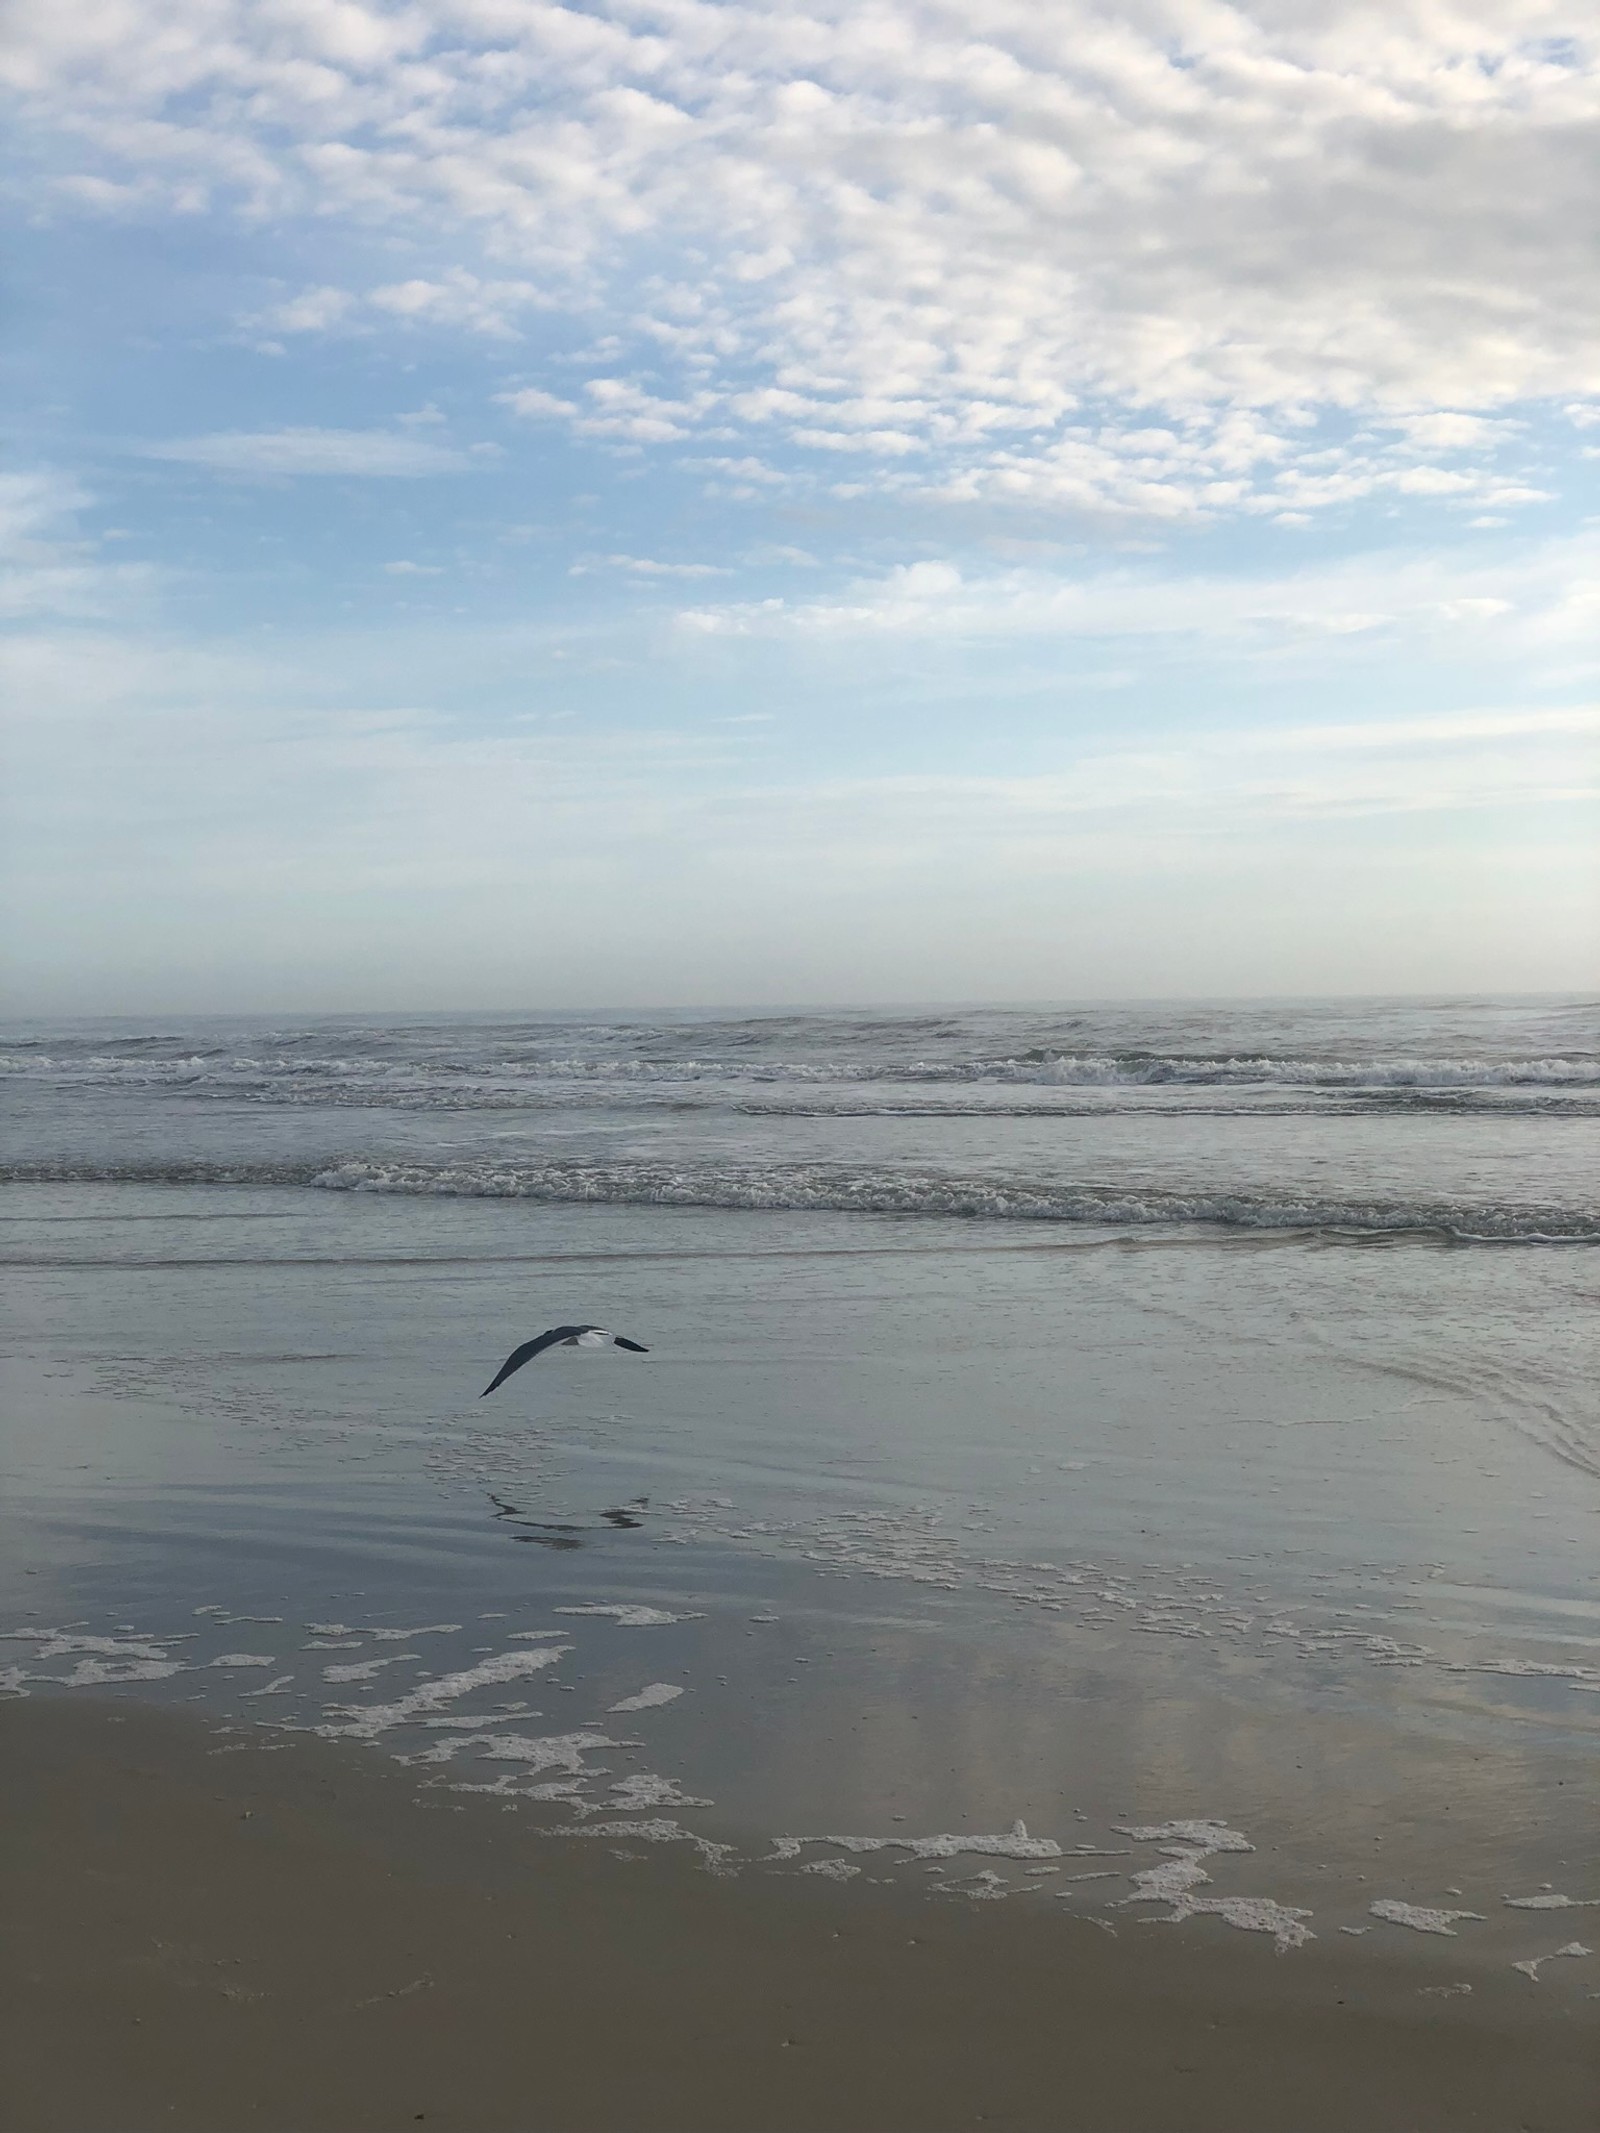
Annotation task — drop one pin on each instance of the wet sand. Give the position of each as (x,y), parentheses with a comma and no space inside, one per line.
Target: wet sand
(210,1931)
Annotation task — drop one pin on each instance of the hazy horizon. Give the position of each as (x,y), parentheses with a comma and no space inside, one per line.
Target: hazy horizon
(761,1010)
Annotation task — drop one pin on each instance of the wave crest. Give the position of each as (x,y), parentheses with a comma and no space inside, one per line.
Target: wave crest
(452,1078)
(841,1189)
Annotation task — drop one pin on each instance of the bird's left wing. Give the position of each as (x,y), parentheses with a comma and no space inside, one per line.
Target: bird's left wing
(526,1353)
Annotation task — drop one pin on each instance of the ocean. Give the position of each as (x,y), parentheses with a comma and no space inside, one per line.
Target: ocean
(1139,1457)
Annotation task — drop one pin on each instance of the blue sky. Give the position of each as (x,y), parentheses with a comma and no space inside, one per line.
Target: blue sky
(669,503)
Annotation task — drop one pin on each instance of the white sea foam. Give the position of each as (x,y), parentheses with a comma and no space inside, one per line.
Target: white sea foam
(626,1617)
(1253,1914)
(102,1662)
(1581,1677)
(845,1188)
(657,1830)
(484,1074)
(273,1688)
(1204,1835)
(633,1794)
(244,1659)
(1177,1878)
(1185,1845)
(365,1669)
(838,1188)
(1014,1844)
(1171,1881)
(985,1887)
(921,1547)
(1536,1963)
(1548,1900)
(653,1830)
(550,1751)
(106,1673)
(62,1644)
(658,1692)
(367,1721)
(509,1715)
(1420,1917)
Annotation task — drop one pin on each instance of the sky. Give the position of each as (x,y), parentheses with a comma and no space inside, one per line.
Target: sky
(657,503)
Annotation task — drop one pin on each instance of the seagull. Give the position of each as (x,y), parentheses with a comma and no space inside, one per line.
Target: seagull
(559,1337)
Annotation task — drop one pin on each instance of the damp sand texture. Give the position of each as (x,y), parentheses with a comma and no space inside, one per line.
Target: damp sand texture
(209,1933)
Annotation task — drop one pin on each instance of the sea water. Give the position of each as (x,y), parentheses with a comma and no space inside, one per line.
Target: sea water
(1098,1420)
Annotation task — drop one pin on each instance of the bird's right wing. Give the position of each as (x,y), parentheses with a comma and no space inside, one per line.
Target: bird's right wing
(526,1353)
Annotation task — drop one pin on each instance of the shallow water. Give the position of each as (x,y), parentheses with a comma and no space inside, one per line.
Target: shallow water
(1227,1482)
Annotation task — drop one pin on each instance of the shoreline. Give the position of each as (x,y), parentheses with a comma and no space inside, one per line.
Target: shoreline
(210,1930)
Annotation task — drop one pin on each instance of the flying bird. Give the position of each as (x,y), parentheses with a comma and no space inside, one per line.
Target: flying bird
(559,1337)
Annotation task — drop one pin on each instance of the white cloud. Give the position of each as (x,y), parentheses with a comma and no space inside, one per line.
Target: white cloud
(132,714)
(645,567)
(1448,431)
(460,300)
(531,402)
(1544,594)
(1444,729)
(1240,781)
(34,505)
(312,311)
(312,451)
(1050,256)
(46,567)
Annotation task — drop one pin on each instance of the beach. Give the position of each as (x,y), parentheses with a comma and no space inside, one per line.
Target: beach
(1085,1615)
(263,1936)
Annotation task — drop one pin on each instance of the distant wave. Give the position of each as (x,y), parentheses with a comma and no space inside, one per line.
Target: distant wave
(485,1076)
(842,1189)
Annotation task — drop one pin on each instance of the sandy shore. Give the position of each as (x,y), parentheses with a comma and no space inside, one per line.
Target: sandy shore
(299,1937)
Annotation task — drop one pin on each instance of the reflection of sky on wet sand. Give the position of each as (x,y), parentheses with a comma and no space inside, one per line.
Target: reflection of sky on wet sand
(1077,1536)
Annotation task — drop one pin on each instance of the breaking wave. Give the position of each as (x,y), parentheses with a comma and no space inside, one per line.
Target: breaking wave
(484,1077)
(842,1189)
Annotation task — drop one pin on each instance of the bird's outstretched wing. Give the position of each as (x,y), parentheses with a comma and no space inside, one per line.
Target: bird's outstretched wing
(528,1350)
(575,1336)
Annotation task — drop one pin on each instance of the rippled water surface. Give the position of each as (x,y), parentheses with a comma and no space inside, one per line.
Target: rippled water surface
(1110,1419)
(1478,1120)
